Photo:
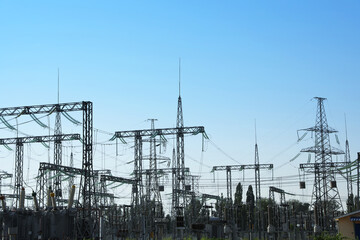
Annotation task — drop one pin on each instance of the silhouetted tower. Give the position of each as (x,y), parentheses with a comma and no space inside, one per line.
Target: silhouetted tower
(153,177)
(180,201)
(350,200)
(325,191)
(257,170)
(58,149)
(173,184)
(19,163)
(257,186)
(180,142)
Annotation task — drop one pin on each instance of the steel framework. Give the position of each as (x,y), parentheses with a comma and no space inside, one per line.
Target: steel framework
(323,190)
(4,175)
(87,186)
(229,168)
(57,154)
(19,154)
(42,180)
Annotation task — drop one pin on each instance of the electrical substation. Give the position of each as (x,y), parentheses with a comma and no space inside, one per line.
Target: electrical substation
(75,202)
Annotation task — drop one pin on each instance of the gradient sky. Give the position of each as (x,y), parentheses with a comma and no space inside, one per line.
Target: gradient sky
(241,60)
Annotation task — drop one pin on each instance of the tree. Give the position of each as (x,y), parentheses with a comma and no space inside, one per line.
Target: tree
(238,194)
(250,198)
(298,206)
(219,207)
(250,202)
(350,203)
(193,211)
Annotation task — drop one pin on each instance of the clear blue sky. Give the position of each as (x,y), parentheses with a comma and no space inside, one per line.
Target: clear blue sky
(241,60)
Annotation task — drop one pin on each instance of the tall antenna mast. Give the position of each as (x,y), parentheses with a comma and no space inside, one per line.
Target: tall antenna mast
(58,147)
(179,76)
(58,93)
(255,132)
(259,222)
(349,179)
(345,127)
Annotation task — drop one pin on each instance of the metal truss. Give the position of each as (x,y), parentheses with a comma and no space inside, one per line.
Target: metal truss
(159,132)
(324,191)
(19,154)
(42,109)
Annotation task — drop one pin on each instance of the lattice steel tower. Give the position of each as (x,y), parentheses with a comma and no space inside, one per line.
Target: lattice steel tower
(325,196)
(153,176)
(57,154)
(259,222)
(58,147)
(348,175)
(180,198)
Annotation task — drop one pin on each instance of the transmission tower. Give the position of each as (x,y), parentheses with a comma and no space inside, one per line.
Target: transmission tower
(153,178)
(349,180)
(180,163)
(325,191)
(58,147)
(57,154)
(259,219)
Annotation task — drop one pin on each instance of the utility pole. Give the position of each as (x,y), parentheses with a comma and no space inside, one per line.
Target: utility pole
(325,190)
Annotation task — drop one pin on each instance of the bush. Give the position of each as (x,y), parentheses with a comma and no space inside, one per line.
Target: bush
(326,236)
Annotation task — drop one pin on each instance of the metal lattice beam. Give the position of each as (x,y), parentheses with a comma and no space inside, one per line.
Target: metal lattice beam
(243,167)
(39,139)
(160,132)
(41,109)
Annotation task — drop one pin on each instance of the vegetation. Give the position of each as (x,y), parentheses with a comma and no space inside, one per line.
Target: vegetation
(326,236)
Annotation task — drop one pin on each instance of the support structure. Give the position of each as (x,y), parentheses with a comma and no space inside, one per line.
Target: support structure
(324,191)
(57,154)
(230,168)
(44,168)
(19,154)
(229,213)
(87,184)
(179,170)
(180,183)
(88,224)
(259,224)
(4,175)
(320,169)
(348,175)
(109,178)
(19,167)
(282,214)
(153,194)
